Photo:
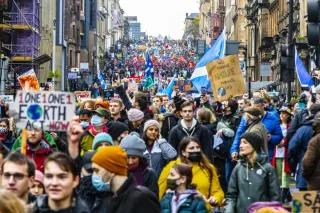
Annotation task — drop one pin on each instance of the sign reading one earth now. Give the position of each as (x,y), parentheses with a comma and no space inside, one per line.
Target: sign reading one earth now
(49,110)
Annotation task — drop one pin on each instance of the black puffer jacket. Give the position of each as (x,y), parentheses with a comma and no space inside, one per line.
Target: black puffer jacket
(197,130)
(41,206)
(95,200)
(170,120)
(132,198)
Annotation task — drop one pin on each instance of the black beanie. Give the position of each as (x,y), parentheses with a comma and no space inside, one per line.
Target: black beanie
(255,140)
(116,128)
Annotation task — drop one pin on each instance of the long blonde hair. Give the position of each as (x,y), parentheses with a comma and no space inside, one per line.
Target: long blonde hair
(10,203)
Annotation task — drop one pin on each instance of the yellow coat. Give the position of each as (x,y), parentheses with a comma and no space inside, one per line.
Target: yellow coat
(201,177)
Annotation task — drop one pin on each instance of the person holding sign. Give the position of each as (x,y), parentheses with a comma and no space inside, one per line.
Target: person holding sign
(39,145)
(253,179)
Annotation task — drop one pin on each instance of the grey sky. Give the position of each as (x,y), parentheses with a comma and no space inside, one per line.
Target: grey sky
(160,17)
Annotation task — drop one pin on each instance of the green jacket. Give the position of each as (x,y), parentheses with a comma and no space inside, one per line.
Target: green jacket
(47,137)
(252,184)
(192,204)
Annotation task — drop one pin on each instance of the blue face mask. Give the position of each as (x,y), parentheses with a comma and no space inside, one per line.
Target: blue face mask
(96,120)
(84,124)
(99,184)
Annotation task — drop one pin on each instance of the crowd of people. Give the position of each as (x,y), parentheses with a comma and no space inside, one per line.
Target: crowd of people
(165,155)
(152,152)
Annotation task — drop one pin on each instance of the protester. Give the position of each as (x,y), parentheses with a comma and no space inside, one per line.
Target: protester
(158,151)
(171,117)
(280,159)
(189,126)
(98,124)
(204,173)
(136,120)
(253,179)
(251,122)
(296,149)
(37,146)
(6,137)
(206,117)
(102,139)
(85,118)
(138,164)
(37,188)
(17,173)
(111,175)
(116,108)
(271,122)
(60,181)
(88,105)
(311,159)
(181,195)
(118,131)
(10,203)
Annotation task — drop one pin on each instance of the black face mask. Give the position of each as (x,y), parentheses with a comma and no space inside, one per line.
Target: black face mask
(194,156)
(172,184)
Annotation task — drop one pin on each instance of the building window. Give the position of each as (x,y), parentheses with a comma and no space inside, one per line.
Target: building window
(70,56)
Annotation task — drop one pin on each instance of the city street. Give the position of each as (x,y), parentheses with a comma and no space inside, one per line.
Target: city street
(172,106)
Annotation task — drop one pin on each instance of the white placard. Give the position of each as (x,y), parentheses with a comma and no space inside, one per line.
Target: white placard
(53,110)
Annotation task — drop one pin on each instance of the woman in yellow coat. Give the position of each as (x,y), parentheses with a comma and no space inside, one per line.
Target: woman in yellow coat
(204,173)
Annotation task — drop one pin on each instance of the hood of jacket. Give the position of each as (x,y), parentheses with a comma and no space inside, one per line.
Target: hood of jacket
(262,158)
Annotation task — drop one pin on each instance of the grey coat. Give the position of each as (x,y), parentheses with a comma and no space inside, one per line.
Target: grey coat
(251,184)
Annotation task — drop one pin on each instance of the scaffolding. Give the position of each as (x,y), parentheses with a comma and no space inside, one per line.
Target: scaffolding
(23,24)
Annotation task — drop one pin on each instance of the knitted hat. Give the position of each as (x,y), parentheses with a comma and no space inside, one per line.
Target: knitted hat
(133,145)
(116,128)
(101,137)
(112,158)
(135,114)
(86,160)
(254,139)
(149,123)
(256,112)
(39,177)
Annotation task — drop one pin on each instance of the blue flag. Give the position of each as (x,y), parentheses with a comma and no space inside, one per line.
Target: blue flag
(199,77)
(148,77)
(170,86)
(304,77)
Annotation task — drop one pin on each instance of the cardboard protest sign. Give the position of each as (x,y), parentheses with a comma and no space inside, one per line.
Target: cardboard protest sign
(51,111)
(29,81)
(82,95)
(226,78)
(132,86)
(306,201)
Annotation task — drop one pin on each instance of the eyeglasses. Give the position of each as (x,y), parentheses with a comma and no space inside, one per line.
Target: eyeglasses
(16,176)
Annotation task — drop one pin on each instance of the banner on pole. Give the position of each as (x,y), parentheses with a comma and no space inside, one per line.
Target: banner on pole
(52,111)
(29,81)
(226,78)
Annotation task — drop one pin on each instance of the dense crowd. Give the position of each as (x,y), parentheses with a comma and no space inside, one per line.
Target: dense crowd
(146,151)
(197,155)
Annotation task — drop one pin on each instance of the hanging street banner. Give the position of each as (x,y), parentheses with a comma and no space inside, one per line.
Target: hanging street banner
(226,78)
(52,110)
